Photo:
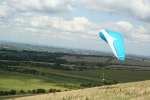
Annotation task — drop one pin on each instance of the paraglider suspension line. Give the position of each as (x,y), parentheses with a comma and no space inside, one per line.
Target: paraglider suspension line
(103,79)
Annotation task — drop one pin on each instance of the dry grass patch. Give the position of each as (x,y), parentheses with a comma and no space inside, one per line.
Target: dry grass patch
(126,91)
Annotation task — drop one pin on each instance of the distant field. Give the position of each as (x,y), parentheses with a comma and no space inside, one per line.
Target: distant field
(125,91)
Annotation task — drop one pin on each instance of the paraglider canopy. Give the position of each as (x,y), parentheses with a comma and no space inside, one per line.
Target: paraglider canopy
(115,41)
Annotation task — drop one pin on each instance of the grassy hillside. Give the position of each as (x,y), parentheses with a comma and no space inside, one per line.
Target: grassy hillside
(125,91)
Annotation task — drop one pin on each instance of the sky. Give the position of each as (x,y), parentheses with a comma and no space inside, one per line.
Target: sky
(76,23)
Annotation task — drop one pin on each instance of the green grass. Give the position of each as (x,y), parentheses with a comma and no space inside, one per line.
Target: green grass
(118,75)
(61,79)
(18,81)
(124,75)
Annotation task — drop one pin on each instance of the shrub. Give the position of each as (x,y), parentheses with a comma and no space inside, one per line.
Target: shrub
(54,90)
(33,91)
(40,91)
(12,92)
(22,92)
(29,91)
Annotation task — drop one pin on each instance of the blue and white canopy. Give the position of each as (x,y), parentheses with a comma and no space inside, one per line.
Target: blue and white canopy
(115,41)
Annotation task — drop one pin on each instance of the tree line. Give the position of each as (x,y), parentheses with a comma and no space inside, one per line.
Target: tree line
(34,91)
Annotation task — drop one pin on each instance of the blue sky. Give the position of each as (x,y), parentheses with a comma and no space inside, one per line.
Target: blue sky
(75,24)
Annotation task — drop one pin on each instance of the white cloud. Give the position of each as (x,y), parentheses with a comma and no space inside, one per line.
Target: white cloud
(135,8)
(4,10)
(125,25)
(76,24)
(140,34)
(40,5)
(133,33)
(81,27)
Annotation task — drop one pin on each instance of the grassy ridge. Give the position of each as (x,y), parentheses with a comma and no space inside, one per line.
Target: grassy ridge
(125,91)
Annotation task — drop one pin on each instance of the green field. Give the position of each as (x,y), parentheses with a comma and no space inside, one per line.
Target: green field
(65,79)
(18,81)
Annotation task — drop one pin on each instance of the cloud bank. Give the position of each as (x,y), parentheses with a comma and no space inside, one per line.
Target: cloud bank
(69,20)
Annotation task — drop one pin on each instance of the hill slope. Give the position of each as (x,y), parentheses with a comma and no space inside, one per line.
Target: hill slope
(125,91)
